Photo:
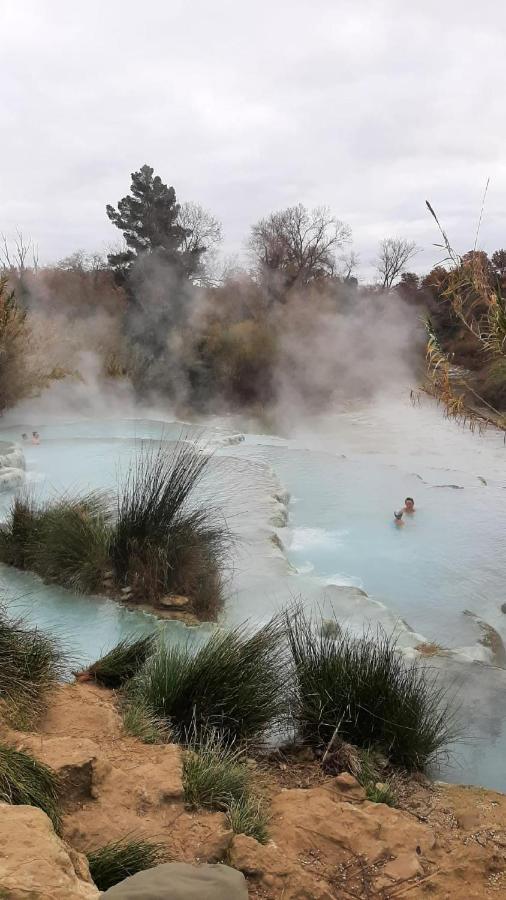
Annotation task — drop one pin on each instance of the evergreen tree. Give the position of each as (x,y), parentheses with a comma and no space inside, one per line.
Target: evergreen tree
(149,220)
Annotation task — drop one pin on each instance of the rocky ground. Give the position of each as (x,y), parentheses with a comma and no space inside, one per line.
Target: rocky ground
(327,840)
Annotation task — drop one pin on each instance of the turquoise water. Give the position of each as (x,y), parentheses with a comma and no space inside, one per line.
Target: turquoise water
(344,486)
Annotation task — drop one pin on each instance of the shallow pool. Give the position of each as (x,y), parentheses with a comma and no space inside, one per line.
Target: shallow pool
(345,475)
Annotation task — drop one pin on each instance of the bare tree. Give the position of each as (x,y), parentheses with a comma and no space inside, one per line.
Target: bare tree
(203,229)
(202,237)
(14,255)
(394,255)
(348,265)
(298,244)
(80,261)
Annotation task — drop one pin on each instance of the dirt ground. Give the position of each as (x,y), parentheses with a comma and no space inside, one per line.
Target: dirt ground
(327,840)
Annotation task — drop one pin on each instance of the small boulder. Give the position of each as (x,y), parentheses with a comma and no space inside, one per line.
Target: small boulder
(175,601)
(181,881)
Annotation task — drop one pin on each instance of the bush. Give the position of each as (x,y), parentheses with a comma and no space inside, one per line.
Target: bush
(30,663)
(118,860)
(363,690)
(248,816)
(25,781)
(163,542)
(121,663)
(234,683)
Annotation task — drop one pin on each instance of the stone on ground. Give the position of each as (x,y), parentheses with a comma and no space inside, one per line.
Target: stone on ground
(181,881)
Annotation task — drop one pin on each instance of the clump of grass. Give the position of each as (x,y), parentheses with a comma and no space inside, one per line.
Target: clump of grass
(248,815)
(118,860)
(214,774)
(30,664)
(72,542)
(66,541)
(164,542)
(25,781)
(18,533)
(217,776)
(234,683)
(142,724)
(363,690)
(121,663)
(381,792)
(160,541)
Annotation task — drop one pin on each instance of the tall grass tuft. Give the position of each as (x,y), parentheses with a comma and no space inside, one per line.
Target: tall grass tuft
(234,683)
(65,541)
(118,860)
(214,774)
(363,690)
(25,781)
(121,663)
(30,664)
(164,542)
(139,722)
(249,816)
(72,541)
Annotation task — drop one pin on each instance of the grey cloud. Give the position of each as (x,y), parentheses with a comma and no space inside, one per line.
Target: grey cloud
(370,107)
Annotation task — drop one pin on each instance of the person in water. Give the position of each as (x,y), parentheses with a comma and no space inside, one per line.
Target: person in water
(35,437)
(24,437)
(398,518)
(409,505)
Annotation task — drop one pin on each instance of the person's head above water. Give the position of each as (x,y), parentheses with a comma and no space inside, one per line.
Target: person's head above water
(398,516)
(409,504)
(24,436)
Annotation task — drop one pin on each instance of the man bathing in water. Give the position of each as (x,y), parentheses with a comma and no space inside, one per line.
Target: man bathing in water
(35,437)
(409,505)
(398,518)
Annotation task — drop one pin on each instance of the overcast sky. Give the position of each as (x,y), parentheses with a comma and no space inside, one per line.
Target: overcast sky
(368,106)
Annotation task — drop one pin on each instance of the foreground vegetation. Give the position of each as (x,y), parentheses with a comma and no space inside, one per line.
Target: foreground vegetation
(217,776)
(118,860)
(233,684)
(31,662)
(365,692)
(27,782)
(325,687)
(158,542)
(355,700)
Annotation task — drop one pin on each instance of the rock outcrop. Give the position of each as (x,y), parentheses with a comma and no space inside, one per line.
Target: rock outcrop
(36,863)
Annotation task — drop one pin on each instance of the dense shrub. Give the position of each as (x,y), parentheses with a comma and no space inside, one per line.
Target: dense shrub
(365,691)
(234,683)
